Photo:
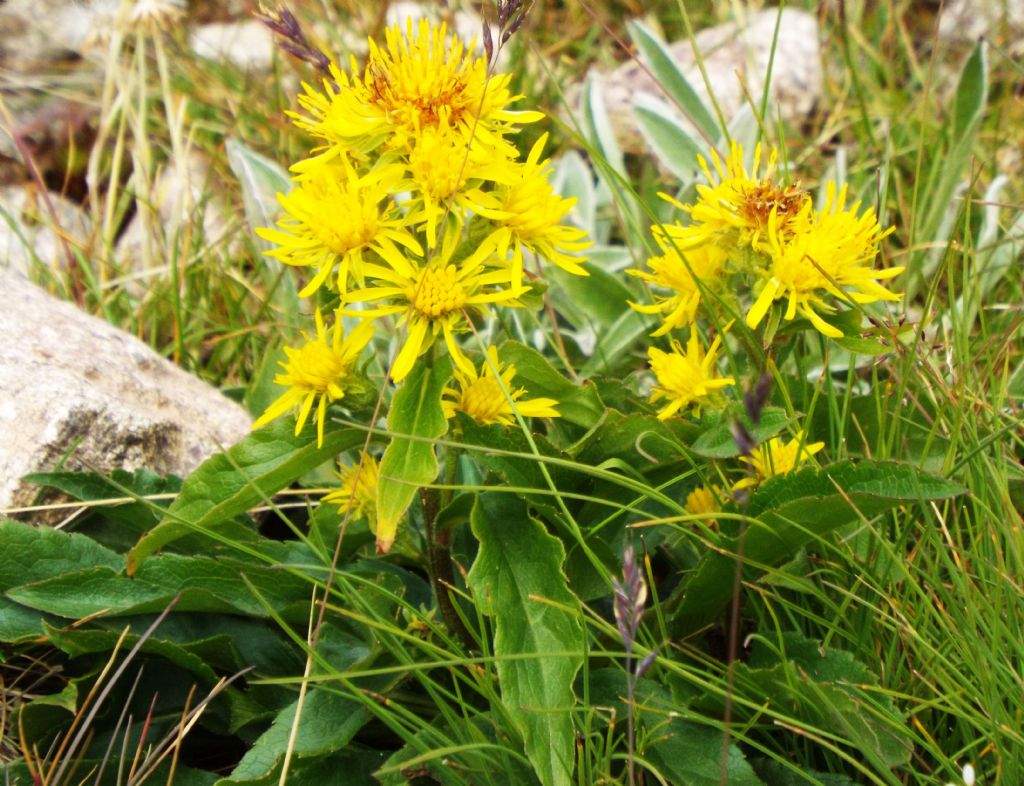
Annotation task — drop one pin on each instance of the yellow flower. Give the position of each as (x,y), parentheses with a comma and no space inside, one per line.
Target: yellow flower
(488,397)
(445,176)
(828,253)
(334,217)
(684,271)
(317,372)
(773,458)
(704,501)
(529,213)
(686,378)
(422,78)
(434,299)
(733,209)
(358,489)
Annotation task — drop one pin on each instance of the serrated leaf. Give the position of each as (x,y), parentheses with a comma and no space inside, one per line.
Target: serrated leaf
(517,578)
(671,79)
(230,483)
(792,511)
(415,418)
(577,403)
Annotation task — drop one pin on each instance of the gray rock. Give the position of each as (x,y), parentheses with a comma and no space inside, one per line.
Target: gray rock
(70,384)
(31,235)
(730,52)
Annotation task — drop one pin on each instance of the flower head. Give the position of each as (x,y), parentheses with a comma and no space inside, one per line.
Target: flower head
(421,78)
(704,501)
(489,397)
(317,373)
(433,299)
(775,458)
(687,377)
(529,213)
(826,254)
(734,209)
(684,271)
(333,218)
(358,488)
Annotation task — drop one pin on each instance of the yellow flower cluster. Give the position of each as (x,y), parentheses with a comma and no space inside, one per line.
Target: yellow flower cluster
(769,235)
(415,206)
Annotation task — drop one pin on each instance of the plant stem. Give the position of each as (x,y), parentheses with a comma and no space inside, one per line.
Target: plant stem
(439,565)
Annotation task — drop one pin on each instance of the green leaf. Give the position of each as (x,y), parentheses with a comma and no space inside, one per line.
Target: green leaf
(205,584)
(689,754)
(667,137)
(577,403)
(408,464)
(718,441)
(328,724)
(517,579)
(35,553)
(972,92)
(671,79)
(261,180)
(520,471)
(792,511)
(684,752)
(230,483)
(831,689)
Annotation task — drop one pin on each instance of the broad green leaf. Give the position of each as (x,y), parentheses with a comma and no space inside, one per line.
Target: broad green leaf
(640,439)
(76,642)
(718,441)
(972,91)
(685,753)
(521,471)
(410,463)
(792,511)
(831,689)
(593,301)
(205,584)
(671,79)
(667,137)
(776,773)
(578,403)
(230,483)
(617,343)
(19,623)
(689,754)
(328,724)
(35,553)
(517,578)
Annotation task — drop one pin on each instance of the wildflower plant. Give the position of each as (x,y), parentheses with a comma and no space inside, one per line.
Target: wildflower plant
(593,519)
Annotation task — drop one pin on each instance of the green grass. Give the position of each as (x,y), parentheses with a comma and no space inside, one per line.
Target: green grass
(926,597)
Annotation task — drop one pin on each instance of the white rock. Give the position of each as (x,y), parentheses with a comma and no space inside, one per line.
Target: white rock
(465,24)
(248,45)
(69,382)
(29,235)
(730,52)
(964,21)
